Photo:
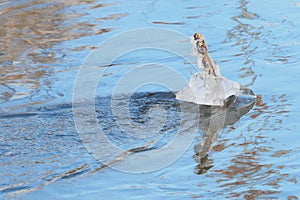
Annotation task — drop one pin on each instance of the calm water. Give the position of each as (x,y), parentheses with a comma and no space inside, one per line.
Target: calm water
(42,46)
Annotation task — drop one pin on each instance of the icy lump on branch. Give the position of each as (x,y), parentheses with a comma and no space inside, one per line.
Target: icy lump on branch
(207,87)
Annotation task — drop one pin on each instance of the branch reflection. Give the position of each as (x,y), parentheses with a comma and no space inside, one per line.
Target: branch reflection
(211,121)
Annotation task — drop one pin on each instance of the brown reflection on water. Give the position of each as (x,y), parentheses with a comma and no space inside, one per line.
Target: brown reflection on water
(252,171)
(31,37)
(249,174)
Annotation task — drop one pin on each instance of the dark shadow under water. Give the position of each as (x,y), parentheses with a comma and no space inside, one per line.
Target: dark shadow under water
(136,113)
(42,145)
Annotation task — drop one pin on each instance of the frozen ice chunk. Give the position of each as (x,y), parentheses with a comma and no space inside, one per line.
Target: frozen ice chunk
(210,90)
(207,87)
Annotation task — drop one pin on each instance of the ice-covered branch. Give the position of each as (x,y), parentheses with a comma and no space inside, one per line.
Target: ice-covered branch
(207,87)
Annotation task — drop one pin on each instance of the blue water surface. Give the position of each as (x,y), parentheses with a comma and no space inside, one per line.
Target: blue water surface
(43,45)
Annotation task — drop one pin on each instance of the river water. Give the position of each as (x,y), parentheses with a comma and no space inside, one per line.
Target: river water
(43,46)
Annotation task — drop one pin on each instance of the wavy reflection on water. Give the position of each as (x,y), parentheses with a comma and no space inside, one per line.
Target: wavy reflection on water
(33,44)
(249,163)
(244,34)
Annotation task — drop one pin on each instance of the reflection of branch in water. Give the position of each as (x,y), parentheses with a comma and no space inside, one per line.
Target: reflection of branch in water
(204,165)
(248,162)
(235,108)
(209,119)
